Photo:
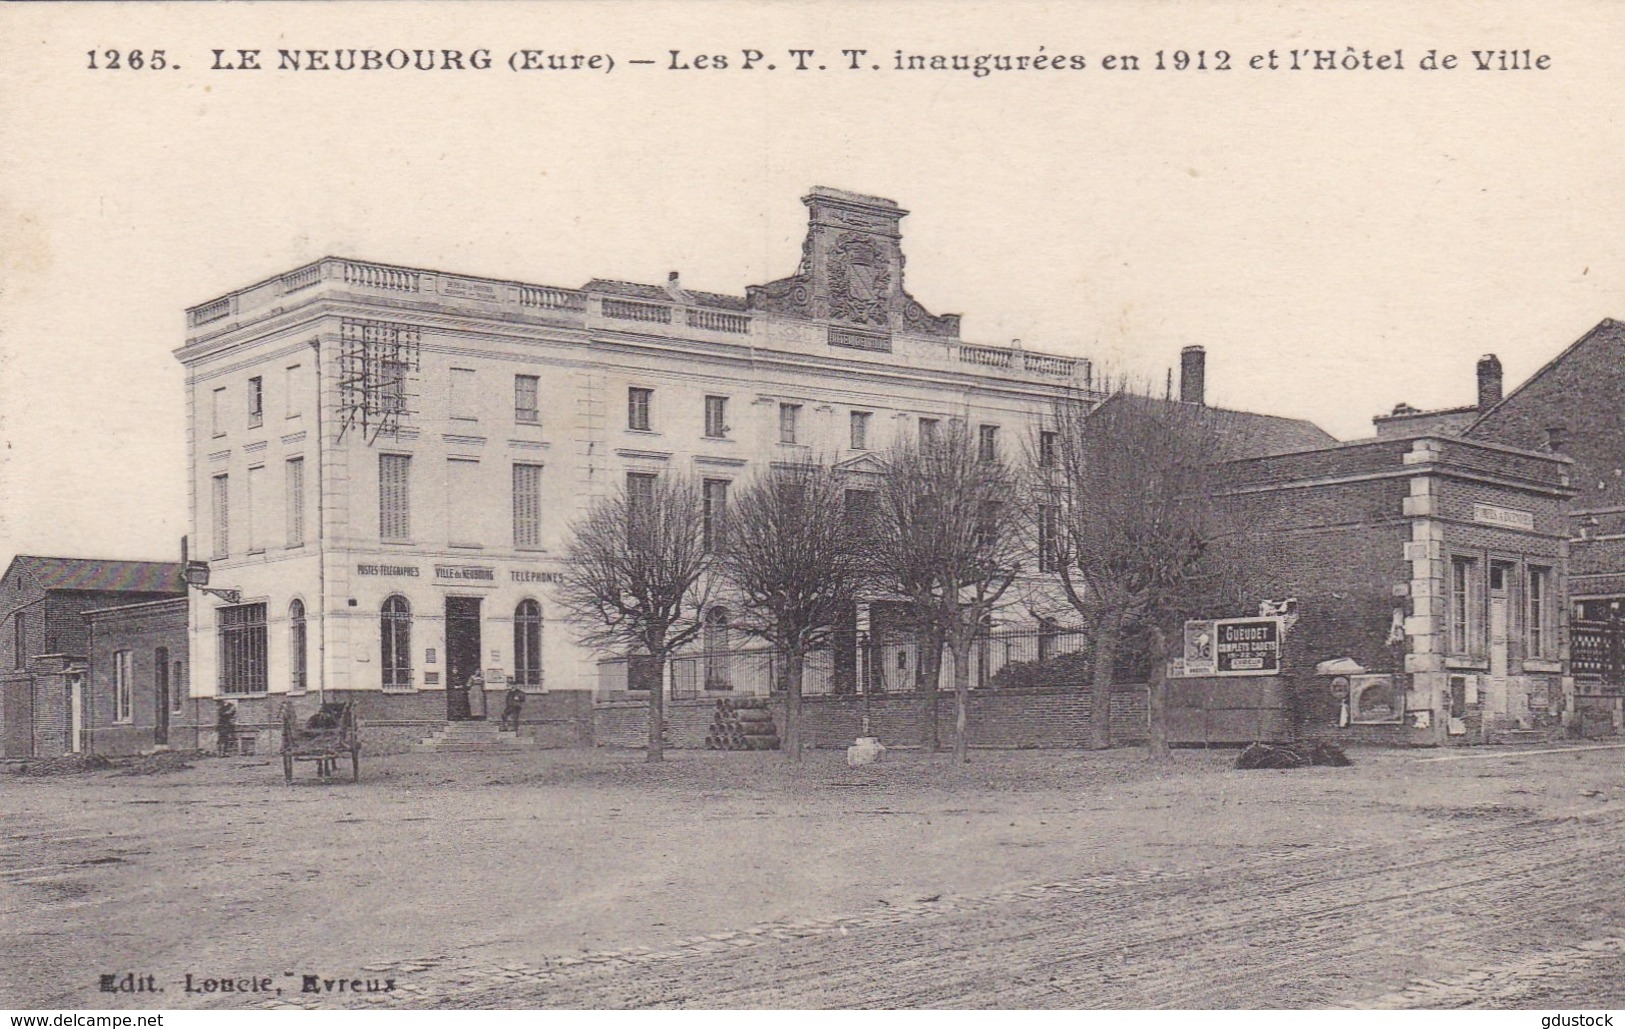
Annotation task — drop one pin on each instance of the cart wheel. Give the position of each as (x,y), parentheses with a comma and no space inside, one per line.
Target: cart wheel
(287,769)
(355,764)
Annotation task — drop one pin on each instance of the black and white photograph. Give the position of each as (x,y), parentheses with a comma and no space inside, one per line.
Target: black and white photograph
(750,505)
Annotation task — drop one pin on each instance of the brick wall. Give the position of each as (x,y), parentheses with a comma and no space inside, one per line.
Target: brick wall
(1583,390)
(1013,719)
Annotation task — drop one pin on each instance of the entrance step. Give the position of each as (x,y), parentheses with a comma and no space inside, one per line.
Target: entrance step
(474,738)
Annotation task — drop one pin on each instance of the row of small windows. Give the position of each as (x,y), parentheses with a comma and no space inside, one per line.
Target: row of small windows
(640,405)
(243,636)
(254,404)
(395,499)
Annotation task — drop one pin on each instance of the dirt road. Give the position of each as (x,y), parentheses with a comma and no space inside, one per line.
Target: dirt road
(578,879)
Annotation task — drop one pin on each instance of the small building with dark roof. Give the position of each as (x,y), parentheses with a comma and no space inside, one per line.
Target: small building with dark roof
(45,641)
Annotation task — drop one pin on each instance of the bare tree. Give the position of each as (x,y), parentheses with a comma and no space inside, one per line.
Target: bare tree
(634,577)
(1135,527)
(791,553)
(949,537)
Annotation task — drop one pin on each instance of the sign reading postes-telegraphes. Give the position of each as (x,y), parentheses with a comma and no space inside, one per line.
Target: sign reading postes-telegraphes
(1232,646)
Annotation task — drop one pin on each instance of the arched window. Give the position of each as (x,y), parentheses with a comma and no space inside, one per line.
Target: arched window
(395,635)
(527,643)
(716,650)
(296,646)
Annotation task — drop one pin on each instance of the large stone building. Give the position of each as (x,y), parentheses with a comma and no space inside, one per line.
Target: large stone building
(385,460)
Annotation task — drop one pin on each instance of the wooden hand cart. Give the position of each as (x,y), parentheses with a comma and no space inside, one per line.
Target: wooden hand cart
(330,734)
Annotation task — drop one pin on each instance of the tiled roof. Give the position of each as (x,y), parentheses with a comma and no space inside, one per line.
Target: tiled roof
(1246,434)
(77,573)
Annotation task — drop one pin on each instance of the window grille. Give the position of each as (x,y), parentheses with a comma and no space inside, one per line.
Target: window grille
(241,629)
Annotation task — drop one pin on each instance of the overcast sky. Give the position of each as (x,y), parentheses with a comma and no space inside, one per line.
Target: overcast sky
(1339,241)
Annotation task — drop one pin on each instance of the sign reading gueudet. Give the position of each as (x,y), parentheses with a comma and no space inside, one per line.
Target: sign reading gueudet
(1232,646)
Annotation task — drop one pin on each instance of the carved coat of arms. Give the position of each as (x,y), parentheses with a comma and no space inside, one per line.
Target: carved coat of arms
(860,280)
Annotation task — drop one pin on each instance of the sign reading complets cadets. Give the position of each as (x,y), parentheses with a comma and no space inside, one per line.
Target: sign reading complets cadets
(1233,646)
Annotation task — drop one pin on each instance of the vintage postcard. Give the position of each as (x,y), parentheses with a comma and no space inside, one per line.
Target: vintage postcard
(790,505)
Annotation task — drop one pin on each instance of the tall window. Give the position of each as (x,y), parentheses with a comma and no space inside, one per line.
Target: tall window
(716,513)
(929,430)
(640,491)
(160,673)
(789,416)
(177,686)
(217,411)
(395,638)
(464,394)
(860,430)
(527,505)
(256,518)
(392,387)
(19,639)
(294,472)
(462,516)
(123,686)
(241,630)
(394,497)
(862,509)
(1542,615)
(1048,525)
(290,390)
(1047,443)
(527,643)
(256,402)
(222,518)
(638,401)
(716,417)
(987,442)
(716,650)
(525,399)
(1464,617)
(296,646)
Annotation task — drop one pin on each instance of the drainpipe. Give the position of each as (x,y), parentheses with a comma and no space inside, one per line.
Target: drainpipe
(321,531)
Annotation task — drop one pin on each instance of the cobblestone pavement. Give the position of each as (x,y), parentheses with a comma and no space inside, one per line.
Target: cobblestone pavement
(1498,911)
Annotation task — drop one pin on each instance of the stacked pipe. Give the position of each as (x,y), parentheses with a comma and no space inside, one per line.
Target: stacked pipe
(743,724)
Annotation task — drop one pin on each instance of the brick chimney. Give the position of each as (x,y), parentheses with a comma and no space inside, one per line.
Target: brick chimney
(1193,375)
(1489,382)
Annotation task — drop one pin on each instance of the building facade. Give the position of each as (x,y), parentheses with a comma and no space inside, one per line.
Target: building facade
(1428,584)
(136,693)
(385,461)
(45,641)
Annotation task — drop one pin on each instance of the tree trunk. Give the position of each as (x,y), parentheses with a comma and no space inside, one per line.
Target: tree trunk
(1107,628)
(794,661)
(1157,696)
(927,671)
(657,712)
(961,699)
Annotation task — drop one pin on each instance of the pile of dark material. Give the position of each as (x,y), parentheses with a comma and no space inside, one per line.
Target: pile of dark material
(1292,755)
(743,724)
(159,762)
(66,764)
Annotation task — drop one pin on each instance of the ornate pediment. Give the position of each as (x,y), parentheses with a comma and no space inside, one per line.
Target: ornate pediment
(851,271)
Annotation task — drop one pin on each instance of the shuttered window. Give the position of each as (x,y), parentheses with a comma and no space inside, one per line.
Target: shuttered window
(222,518)
(527,505)
(394,497)
(464,513)
(256,517)
(296,501)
